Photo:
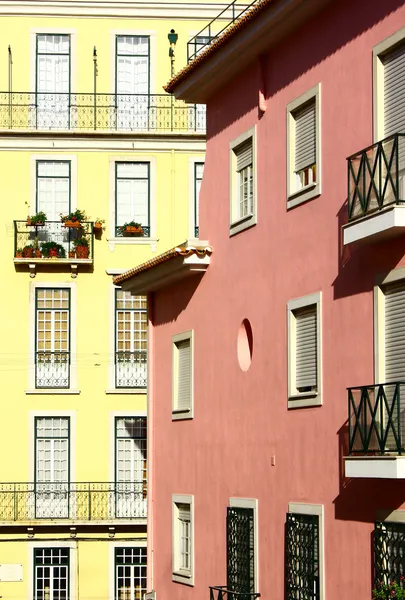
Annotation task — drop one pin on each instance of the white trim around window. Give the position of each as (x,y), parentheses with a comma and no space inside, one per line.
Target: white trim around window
(236,222)
(73,53)
(378,81)
(182,575)
(306,185)
(112,546)
(318,510)
(186,410)
(73,389)
(313,397)
(152,239)
(34,158)
(73,580)
(111,437)
(192,161)
(151,33)
(251,503)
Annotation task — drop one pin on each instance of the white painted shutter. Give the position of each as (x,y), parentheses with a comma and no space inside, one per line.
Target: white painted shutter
(305,136)
(244,155)
(306,348)
(394,91)
(395,332)
(184,375)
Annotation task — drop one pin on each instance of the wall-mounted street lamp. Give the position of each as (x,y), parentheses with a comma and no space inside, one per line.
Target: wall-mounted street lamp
(172,37)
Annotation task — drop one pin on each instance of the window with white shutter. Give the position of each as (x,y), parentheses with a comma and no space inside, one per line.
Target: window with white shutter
(243,201)
(183,543)
(182,376)
(303,152)
(304,354)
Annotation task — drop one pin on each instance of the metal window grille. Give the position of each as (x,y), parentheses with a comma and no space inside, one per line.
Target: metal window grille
(132,195)
(240,550)
(389,552)
(51,573)
(198,175)
(131,330)
(302,557)
(130,573)
(130,465)
(52,467)
(52,332)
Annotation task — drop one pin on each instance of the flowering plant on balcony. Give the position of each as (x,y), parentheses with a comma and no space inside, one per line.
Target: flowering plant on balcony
(73,219)
(38,219)
(82,247)
(52,250)
(98,224)
(131,228)
(388,591)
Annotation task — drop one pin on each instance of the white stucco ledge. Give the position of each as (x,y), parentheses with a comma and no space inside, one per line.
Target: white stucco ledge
(378,226)
(190,258)
(375,467)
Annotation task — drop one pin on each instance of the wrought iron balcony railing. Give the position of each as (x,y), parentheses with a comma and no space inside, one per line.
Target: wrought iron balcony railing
(52,369)
(221,592)
(131,369)
(377,419)
(100,112)
(376,177)
(229,15)
(53,240)
(78,501)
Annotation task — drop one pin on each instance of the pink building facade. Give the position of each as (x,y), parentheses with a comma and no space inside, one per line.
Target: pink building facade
(267,475)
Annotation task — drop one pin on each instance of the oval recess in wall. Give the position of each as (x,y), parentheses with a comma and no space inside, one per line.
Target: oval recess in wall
(245,345)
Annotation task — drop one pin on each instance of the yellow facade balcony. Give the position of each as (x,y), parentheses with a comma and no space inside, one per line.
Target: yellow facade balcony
(64,502)
(122,113)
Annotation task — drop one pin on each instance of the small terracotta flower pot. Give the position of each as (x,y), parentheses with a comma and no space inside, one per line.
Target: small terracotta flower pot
(82,251)
(38,254)
(18,254)
(72,254)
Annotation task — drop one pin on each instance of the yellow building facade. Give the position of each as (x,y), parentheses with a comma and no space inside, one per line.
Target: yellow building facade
(85,126)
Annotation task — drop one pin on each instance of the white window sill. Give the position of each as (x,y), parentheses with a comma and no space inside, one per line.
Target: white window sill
(54,391)
(185,577)
(242,224)
(140,391)
(303,195)
(305,399)
(132,240)
(177,415)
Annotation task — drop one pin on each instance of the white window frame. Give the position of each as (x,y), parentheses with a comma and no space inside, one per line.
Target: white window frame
(318,510)
(295,197)
(393,276)
(73,581)
(378,81)
(298,399)
(182,576)
(73,326)
(152,239)
(180,414)
(73,52)
(192,161)
(152,54)
(34,158)
(237,225)
(254,504)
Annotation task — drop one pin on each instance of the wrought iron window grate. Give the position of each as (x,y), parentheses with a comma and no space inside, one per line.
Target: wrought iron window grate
(302,557)
(240,550)
(389,552)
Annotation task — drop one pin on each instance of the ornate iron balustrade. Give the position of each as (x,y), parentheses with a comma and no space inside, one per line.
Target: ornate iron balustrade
(377,418)
(376,177)
(35,241)
(144,233)
(79,501)
(389,553)
(221,592)
(52,369)
(100,112)
(230,14)
(131,369)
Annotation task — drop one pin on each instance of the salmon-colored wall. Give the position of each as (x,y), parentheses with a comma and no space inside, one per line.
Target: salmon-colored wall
(241,418)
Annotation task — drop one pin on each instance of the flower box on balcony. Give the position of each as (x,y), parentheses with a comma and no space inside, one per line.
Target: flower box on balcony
(74,224)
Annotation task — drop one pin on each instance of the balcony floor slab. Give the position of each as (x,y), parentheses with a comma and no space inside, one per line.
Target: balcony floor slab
(375,467)
(377,226)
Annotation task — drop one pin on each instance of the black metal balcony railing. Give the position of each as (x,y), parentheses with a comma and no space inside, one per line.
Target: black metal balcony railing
(377,418)
(52,369)
(221,592)
(376,177)
(79,501)
(229,15)
(144,233)
(37,241)
(131,369)
(104,112)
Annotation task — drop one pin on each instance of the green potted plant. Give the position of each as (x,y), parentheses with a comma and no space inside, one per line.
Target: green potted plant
(19,253)
(82,247)
(98,225)
(37,220)
(28,251)
(52,250)
(389,591)
(73,219)
(131,228)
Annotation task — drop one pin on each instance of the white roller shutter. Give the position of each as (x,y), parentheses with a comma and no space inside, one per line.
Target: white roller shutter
(306,348)
(244,155)
(394,91)
(395,332)
(305,136)
(184,375)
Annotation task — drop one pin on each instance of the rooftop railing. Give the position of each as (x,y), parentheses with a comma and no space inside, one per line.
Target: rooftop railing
(377,418)
(376,177)
(78,501)
(224,19)
(100,112)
